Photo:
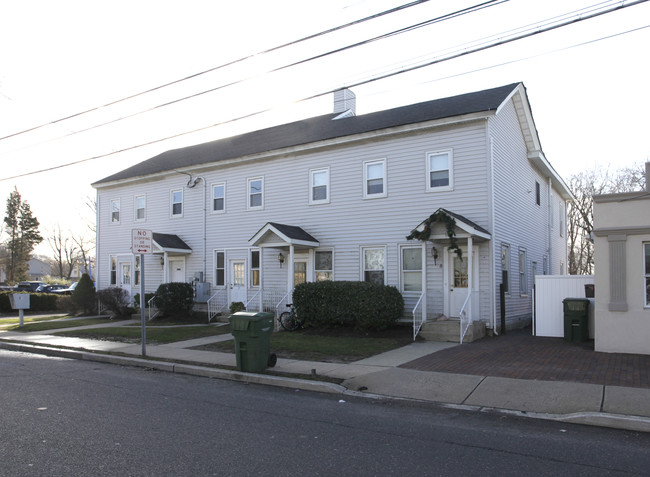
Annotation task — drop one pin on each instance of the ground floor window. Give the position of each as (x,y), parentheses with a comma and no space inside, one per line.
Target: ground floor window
(412,269)
(136,277)
(505,268)
(255,268)
(646,263)
(219,269)
(374,265)
(323,266)
(113,279)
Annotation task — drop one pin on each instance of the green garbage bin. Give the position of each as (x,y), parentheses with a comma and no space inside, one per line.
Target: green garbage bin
(576,319)
(252,333)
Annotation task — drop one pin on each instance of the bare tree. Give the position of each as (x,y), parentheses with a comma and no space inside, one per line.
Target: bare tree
(66,252)
(581,213)
(84,246)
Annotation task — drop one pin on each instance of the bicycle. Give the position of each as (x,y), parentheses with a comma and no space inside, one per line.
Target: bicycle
(289,320)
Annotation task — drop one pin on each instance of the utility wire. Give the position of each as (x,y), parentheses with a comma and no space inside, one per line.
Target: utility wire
(230,63)
(359,83)
(409,28)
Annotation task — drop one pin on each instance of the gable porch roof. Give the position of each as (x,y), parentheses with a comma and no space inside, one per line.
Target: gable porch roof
(281,235)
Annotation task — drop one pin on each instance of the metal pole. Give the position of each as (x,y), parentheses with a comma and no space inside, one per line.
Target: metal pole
(142,305)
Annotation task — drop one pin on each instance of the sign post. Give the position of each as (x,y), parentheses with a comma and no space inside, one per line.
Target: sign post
(141,244)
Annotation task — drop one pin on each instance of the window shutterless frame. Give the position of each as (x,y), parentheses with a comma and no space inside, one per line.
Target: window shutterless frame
(374,179)
(219,197)
(440,170)
(176,202)
(140,205)
(115,211)
(373,265)
(319,186)
(255,193)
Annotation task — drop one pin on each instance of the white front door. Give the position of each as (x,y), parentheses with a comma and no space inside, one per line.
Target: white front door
(458,280)
(124,276)
(238,281)
(177,270)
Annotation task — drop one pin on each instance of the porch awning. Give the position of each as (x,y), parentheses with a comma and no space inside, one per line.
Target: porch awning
(467,227)
(280,235)
(169,243)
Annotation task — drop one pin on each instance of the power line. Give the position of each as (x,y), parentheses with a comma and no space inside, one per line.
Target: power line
(359,83)
(224,65)
(409,28)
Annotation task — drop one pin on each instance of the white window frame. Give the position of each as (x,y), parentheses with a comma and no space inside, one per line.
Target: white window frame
(212,208)
(363,260)
(216,268)
(171,203)
(450,164)
(505,265)
(413,272)
(318,270)
(312,172)
(384,192)
(251,269)
(137,267)
(136,208)
(112,270)
(249,194)
(645,253)
(523,272)
(111,212)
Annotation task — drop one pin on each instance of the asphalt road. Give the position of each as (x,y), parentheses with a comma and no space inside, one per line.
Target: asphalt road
(64,417)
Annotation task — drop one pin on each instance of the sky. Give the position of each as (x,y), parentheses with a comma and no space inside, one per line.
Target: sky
(586,82)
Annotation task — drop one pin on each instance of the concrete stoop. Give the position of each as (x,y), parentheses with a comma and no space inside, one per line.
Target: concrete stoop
(449,330)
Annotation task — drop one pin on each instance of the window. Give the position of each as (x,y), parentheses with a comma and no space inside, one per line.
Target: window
(374,178)
(505,268)
(256,193)
(439,171)
(113,279)
(319,186)
(177,203)
(646,263)
(374,260)
(219,269)
(538,195)
(523,275)
(140,207)
(412,269)
(115,211)
(219,197)
(255,268)
(323,266)
(561,215)
(136,277)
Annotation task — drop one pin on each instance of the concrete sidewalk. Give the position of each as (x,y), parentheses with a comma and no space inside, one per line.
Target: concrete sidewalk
(377,377)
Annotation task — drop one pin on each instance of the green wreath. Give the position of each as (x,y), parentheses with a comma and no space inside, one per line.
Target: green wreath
(425,234)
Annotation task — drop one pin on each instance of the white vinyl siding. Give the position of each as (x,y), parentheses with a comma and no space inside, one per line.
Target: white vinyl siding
(255,193)
(115,211)
(319,186)
(219,197)
(374,179)
(140,212)
(440,172)
(646,273)
(176,206)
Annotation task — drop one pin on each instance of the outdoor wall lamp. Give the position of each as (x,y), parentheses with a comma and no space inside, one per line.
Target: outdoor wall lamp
(280,259)
(434,253)
(162,261)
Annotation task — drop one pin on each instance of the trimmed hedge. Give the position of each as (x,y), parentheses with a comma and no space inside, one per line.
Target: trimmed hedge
(37,302)
(360,305)
(175,297)
(116,300)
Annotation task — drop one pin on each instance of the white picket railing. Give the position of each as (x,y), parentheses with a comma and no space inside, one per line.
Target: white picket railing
(217,303)
(418,319)
(465,318)
(151,305)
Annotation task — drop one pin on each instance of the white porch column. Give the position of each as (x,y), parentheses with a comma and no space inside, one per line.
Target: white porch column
(424,281)
(261,279)
(290,267)
(470,274)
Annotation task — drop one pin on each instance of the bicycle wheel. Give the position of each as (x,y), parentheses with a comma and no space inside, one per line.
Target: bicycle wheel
(288,321)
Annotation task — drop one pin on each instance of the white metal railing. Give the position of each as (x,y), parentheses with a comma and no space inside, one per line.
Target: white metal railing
(465,318)
(151,305)
(217,303)
(251,305)
(418,319)
(470,311)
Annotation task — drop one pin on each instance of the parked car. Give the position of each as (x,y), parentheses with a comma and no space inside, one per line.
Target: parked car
(28,286)
(66,291)
(50,288)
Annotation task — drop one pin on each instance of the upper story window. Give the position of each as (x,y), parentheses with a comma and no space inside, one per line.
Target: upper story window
(140,203)
(115,211)
(439,171)
(319,186)
(219,197)
(323,265)
(374,264)
(646,273)
(256,193)
(538,193)
(374,179)
(177,203)
(505,268)
(523,272)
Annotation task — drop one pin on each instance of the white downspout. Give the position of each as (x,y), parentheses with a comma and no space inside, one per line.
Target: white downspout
(550,227)
(424,281)
(470,274)
(493,286)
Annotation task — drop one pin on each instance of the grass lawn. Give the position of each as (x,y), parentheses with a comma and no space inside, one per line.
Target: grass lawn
(328,345)
(58,324)
(130,334)
(28,319)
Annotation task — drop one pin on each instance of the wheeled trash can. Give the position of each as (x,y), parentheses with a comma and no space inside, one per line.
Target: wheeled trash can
(252,333)
(576,319)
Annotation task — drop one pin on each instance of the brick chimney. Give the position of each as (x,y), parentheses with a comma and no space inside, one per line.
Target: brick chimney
(344,103)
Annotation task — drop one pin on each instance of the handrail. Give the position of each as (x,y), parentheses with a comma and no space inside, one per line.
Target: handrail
(216,303)
(282,300)
(464,323)
(254,296)
(417,316)
(150,305)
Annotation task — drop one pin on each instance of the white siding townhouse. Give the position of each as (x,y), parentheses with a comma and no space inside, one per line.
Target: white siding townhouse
(334,197)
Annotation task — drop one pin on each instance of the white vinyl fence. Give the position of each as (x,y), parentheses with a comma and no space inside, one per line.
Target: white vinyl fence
(548,311)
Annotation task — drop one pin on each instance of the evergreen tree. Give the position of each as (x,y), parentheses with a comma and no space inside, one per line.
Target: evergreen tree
(22,229)
(84,294)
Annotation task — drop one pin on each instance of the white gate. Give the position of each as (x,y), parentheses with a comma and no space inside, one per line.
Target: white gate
(550,290)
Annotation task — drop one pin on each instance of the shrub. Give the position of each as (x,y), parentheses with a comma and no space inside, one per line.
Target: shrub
(116,300)
(175,297)
(360,305)
(84,296)
(65,303)
(37,302)
(236,306)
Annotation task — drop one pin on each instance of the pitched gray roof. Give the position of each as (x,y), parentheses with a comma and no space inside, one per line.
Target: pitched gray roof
(313,130)
(166,241)
(293,232)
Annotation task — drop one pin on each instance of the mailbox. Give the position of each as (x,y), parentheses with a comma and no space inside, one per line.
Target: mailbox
(19,301)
